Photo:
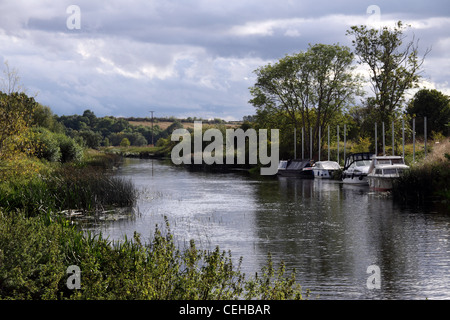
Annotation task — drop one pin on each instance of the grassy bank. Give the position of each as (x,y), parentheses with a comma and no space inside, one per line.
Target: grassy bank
(35,253)
(38,243)
(89,186)
(427,180)
(144,152)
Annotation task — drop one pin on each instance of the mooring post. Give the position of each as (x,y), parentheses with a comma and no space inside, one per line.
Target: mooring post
(320,133)
(337,143)
(425,134)
(403,138)
(295,143)
(376,142)
(328,142)
(345,139)
(414,139)
(384,148)
(303,143)
(393,142)
(310,144)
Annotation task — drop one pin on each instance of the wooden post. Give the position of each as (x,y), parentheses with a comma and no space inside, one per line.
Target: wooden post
(328,142)
(337,143)
(425,134)
(403,138)
(414,139)
(393,142)
(345,139)
(376,142)
(295,143)
(303,143)
(320,133)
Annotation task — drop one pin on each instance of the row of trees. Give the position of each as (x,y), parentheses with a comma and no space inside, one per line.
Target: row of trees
(318,88)
(93,132)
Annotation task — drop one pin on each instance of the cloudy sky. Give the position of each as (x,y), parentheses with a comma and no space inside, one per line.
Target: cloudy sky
(187,58)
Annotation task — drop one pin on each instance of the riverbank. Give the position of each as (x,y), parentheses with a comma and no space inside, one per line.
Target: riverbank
(427,180)
(39,242)
(144,152)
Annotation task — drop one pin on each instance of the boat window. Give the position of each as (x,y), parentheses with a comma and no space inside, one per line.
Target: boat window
(390,171)
(397,161)
(363,163)
(378,171)
(282,165)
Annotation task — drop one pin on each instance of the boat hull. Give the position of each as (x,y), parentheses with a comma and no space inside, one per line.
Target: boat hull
(380,183)
(323,173)
(308,174)
(354,179)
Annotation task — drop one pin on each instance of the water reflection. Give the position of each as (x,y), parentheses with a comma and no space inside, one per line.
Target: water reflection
(328,232)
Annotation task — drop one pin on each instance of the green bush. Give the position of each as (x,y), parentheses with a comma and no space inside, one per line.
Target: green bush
(424,182)
(70,150)
(46,146)
(68,188)
(35,254)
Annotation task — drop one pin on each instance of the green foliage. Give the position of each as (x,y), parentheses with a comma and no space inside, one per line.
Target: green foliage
(31,263)
(432,104)
(87,188)
(393,66)
(424,182)
(44,117)
(70,149)
(16,110)
(309,89)
(125,142)
(46,146)
(35,253)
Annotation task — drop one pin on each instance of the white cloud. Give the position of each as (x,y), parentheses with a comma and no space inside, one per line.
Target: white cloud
(193,58)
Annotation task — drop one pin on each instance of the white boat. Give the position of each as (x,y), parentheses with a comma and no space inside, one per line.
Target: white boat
(356,168)
(384,170)
(325,169)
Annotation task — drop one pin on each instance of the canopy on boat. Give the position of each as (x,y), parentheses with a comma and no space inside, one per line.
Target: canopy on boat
(327,165)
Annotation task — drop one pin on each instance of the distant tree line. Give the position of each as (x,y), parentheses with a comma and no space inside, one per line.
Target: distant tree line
(92,131)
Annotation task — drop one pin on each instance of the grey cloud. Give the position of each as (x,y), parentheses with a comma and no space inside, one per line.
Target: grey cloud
(183,57)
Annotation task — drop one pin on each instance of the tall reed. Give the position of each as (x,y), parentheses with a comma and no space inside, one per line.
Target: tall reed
(87,188)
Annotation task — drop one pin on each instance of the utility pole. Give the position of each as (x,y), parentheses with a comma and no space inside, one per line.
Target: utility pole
(152,126)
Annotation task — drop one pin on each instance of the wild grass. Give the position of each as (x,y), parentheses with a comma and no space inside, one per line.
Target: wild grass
(89,186)
(427,180)
(35,253)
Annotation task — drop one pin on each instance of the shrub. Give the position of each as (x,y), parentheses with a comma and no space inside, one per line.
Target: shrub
(35,254)
(46,146)
(125,142)
(70,150)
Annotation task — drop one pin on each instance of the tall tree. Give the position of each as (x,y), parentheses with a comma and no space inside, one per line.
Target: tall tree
(308,89)
(394,66)
(435,106)
(16,110)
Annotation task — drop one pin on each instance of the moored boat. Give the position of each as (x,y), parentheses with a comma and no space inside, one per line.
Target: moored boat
(300,168)
(356,168)
(325,169)
(384,170)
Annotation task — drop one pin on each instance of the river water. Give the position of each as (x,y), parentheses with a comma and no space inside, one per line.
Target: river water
(329,232)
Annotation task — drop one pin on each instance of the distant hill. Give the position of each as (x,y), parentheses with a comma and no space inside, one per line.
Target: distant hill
(164,123)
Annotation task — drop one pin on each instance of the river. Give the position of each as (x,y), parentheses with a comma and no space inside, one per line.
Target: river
(329,232)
